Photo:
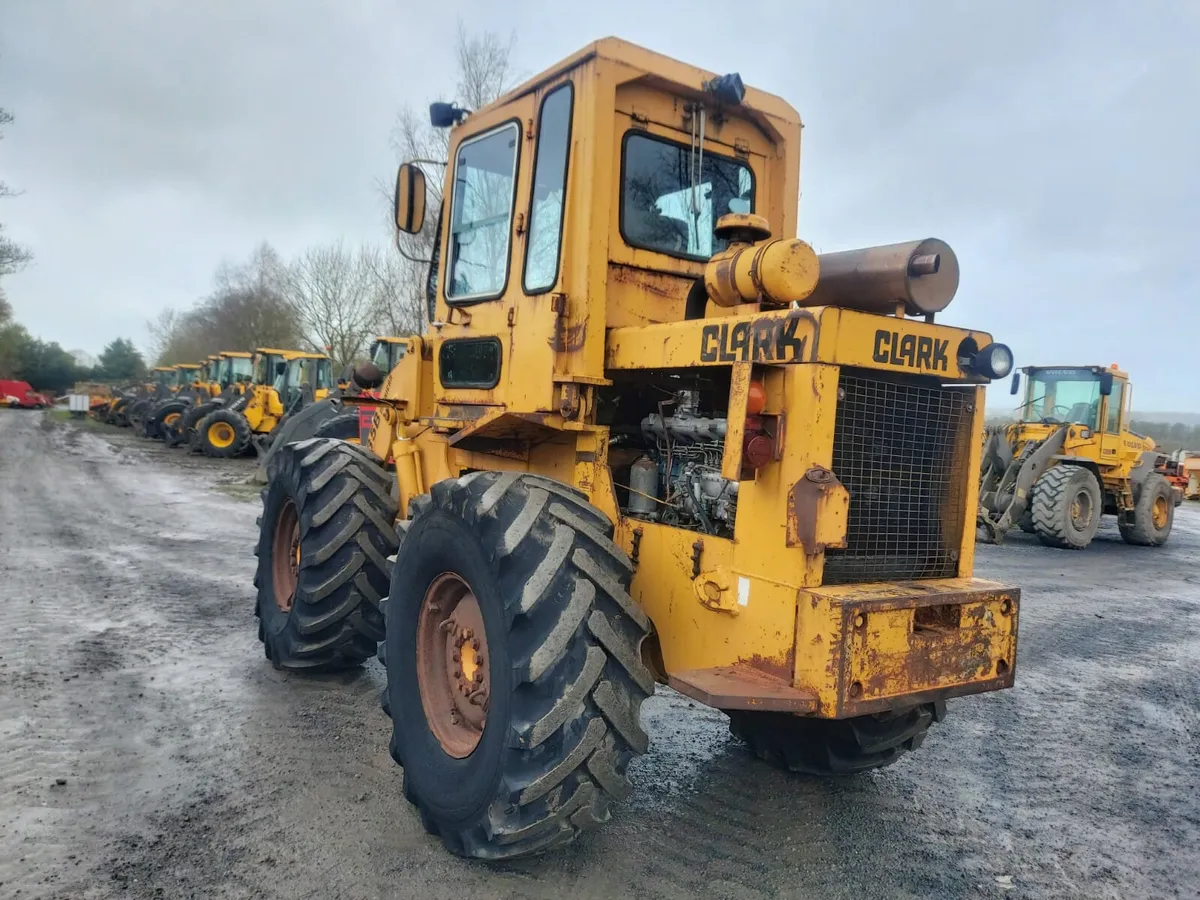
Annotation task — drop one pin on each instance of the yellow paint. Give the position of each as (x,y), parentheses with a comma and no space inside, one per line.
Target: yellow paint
(1112,450)
(614,316)
(221,434)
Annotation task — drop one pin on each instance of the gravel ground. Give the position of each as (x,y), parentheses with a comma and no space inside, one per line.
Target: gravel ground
(148,750)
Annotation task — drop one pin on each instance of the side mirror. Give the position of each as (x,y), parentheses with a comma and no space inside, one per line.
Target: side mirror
(1016,383)
(410,199)
(1106,383)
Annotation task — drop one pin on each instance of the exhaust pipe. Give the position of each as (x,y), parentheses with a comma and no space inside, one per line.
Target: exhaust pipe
(923,275)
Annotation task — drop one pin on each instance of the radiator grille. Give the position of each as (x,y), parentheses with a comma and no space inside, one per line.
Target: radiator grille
(900,447)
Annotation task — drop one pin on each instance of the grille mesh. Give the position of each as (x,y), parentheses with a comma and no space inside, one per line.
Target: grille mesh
(900,447)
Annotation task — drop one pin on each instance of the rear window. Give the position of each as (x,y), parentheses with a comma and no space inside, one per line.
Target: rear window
(671,198)
(470,363)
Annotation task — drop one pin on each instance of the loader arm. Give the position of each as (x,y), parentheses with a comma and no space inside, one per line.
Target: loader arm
(1008,478)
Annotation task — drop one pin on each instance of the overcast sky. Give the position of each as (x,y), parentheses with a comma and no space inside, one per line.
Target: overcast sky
(1054,145)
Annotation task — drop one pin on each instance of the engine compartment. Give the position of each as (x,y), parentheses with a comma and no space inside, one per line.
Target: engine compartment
(667,441)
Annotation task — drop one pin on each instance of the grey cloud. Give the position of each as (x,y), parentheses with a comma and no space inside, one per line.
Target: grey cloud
(1052,144)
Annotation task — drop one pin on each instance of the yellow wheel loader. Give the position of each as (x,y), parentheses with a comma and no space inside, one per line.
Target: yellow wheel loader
(282,383)
(1070,459)
(228,374)
(649,437)
(132,412)
(186,388)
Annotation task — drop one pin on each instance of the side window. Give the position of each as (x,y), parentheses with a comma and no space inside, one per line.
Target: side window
(470,363)
(481,214)
(549,189)
(1115,401)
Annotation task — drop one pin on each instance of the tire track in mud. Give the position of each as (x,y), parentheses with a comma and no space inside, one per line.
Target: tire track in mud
(91,699)
(227,778)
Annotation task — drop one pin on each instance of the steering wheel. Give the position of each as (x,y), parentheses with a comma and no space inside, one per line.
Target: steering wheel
(1052,419)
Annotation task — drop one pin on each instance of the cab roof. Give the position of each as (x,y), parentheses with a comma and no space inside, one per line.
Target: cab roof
(291,354)
(671,72)
(1117,372)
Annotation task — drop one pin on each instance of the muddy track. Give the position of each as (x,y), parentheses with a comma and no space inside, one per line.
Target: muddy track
(129,669)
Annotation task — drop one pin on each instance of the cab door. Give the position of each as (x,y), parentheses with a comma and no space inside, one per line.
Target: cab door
(1112,422)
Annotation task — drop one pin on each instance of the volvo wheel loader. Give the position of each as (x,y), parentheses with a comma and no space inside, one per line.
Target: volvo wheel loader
(1071,458)
(283,383)
(133,413)
(229,373)
(649,437)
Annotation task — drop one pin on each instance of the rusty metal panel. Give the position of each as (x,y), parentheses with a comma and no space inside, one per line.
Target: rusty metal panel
(817,512)
(742,687)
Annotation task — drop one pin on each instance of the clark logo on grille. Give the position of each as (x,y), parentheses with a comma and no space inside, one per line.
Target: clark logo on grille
(909,350)
(769,339)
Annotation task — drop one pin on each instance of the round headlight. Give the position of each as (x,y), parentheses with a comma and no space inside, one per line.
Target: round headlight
(994,361)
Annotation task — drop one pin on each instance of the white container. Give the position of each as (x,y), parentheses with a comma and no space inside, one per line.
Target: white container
(79,403)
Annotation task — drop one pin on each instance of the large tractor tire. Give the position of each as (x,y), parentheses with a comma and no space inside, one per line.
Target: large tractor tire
(165,417)
(324,540)
(223,434)
(1067,504)
(343,427)
(137,413)
(1153,514)
(513,655)
(185,431)
(826,747)
(116,414)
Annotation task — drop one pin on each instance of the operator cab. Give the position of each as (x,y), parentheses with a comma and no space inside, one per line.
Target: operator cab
(385,354)
(1091,396)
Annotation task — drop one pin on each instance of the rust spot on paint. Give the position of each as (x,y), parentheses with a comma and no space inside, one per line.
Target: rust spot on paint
(568,339)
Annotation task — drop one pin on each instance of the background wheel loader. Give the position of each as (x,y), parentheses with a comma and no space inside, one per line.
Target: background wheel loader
(643,441)
(1070,459)
(346,412)
(282,384)
(230,372)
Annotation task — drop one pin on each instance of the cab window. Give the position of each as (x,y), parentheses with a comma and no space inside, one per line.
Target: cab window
(671,198)
(549,188)
(481,214)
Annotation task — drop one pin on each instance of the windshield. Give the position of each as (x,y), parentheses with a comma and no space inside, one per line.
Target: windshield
(1062,395)
(481,213)
(238,367)
(660,209)
(264,368)
(385,355)
(324,374)
(187,376)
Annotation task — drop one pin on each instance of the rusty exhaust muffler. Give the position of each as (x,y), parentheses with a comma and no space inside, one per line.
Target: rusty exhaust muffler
(923,275)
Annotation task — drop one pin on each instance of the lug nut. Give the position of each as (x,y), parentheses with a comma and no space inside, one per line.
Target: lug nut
(458,673)
(457,657)
(478,677)
(475,644)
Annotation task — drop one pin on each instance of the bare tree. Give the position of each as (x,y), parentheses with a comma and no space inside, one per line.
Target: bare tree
(248,308)
(399,305)
(13,257)
(484,73)
(333,291)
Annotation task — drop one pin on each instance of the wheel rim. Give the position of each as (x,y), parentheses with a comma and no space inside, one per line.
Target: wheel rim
(221,434)
(1081,511)
(452,671)
(1160,512)
(285,556)
(170,419)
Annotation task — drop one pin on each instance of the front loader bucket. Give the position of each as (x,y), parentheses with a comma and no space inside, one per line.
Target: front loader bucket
(1006,481)
(297,427)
